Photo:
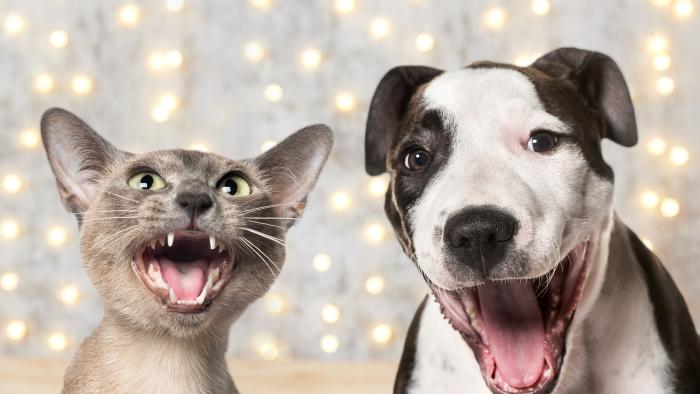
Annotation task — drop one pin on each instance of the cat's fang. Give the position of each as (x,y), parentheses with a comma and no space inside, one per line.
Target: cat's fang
(212,242)
(202,296)
(171,239)
(153,244)
(161,240)
(221,247)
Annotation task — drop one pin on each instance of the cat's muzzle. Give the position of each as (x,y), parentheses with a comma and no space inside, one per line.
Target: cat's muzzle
(185,270)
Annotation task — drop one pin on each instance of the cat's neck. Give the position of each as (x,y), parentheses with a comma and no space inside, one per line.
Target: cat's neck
(152,361)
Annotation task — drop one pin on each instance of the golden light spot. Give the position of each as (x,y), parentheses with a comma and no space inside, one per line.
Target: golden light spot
(330,343)
(679,155)
(275,303)
(669,207)
(382,333)
(57,341)
(29,138)
(16,330)
(14,24)
(344,102)
(425,42)
(129,15)
(665,85)
(273,93)
(262,5)
(58,39)
(374,284)
(683,8)
(330,313)
(649,199)
(495,18)
(377,186)
(9,281)
(322,262)
(540,7)
(175,5)
(43,83)
(12,184)
(267,145)
(344,6)
(657,43)
(254,51)
(656,146)
(375,233)
(9,229)
(341,201)
(56,236)
(69,294)
(379,28)
(662,62)
(267,347)
(311,58)
(81,85)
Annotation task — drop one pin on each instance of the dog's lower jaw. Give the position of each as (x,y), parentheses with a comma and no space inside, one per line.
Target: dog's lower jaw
(118,358)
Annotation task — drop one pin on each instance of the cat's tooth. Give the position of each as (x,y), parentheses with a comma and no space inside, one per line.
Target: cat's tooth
(173,298)
(214,275)
(200,299)
(153,244)
(212,242)
(221,247)
(171,239)
(161,240)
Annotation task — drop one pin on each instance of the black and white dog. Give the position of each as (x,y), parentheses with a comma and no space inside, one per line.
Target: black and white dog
(500,195)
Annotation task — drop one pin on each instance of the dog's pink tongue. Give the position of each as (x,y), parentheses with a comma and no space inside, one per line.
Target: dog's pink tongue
(185,278)
(515,331)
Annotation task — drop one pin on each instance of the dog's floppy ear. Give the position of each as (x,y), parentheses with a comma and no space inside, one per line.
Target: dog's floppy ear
(78,156)
(601,83)
(387,108)
(293,166)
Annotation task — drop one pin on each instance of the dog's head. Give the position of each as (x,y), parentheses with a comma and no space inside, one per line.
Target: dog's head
(181,241)
(499,192)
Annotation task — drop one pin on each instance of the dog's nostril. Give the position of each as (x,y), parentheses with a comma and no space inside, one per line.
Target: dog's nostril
(479,227)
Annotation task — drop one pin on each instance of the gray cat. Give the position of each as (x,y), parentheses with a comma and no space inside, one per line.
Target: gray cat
(178,243)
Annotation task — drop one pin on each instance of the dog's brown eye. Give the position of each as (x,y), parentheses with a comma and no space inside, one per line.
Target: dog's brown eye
(417,160)
(542,141)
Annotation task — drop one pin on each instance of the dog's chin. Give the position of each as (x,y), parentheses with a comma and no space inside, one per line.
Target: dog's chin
(517,328)
(185,271)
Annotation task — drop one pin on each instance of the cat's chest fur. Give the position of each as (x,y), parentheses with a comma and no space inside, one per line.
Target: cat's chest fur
(119,362)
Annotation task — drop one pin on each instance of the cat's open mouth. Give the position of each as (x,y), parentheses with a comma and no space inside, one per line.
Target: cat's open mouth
(186,270)
(517,328)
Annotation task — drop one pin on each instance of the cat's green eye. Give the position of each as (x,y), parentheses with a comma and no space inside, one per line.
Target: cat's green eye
(234,185)
(147,181)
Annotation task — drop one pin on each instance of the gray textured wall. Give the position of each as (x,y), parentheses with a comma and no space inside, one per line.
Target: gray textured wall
(222,105)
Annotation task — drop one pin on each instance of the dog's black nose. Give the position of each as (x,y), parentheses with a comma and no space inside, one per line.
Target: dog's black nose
(194,203)
(480,236)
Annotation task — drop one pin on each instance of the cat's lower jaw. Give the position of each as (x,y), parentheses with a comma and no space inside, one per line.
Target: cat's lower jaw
(185,270)
(120,359)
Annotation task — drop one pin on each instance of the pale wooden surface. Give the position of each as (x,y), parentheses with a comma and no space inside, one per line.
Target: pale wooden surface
(31,376)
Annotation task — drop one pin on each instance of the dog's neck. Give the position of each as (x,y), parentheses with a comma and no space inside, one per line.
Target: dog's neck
(616,347)
(139,360)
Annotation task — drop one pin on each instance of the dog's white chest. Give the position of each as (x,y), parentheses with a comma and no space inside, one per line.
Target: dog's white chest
(444,363)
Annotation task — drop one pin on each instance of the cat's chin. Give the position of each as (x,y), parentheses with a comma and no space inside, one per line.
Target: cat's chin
(185,270)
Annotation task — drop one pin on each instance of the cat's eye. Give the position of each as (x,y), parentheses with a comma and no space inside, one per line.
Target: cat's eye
(147,181)
(234,185)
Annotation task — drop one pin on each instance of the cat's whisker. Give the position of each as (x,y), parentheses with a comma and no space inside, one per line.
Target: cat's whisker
(122,237)
(267,206)
(111,210)
(114,194)
(265,224)
(249,245)
(265,254)
(108,218)
(266,236)
(269,218)
(111,237)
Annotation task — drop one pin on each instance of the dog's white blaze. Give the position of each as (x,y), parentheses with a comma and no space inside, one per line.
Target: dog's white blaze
(493,113)
(444,363)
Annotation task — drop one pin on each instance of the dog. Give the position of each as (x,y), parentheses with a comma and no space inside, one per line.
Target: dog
(501,197)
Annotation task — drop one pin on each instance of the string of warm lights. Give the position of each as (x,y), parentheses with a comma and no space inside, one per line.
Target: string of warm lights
(380,28)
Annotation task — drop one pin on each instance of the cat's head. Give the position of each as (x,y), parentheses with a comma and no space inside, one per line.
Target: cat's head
(180,240)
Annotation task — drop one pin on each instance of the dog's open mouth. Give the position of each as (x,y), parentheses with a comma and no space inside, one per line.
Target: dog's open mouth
(185,270)
(517,328)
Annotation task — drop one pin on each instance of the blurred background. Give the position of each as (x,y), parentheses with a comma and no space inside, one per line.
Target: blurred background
(234,77)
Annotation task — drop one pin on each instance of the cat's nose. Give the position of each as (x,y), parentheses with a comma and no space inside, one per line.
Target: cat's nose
(195,203)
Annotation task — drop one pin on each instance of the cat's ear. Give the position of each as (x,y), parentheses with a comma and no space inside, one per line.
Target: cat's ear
(292,167)
(79,157)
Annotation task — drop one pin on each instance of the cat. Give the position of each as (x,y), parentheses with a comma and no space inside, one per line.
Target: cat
(177,243)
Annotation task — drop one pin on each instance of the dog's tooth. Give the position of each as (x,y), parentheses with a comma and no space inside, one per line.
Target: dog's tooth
(173,298)
(212,242)
(171,239)
(200,299)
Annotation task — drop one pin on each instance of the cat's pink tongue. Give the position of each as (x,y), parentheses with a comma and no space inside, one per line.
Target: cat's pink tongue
(515,331)
(187,279)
